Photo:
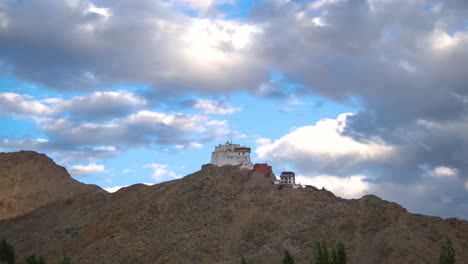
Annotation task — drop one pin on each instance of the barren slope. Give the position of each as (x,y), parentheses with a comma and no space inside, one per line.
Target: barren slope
(217,214)
(29,180)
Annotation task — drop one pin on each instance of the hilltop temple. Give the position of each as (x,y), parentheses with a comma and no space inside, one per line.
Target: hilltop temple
(237,155)
(231,154)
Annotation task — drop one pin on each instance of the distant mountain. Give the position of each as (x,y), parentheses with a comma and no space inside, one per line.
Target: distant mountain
(220,213)
(29,180)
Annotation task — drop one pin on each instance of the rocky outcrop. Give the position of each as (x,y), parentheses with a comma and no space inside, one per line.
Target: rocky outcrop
(219,213)
(29,180)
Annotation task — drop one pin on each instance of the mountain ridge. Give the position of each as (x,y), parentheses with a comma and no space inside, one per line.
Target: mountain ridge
(29,180)
(219,213)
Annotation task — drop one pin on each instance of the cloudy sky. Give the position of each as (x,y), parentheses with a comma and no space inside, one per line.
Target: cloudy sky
(359,96)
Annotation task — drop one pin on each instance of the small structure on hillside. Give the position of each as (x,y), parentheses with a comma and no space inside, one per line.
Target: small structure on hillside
(231,154)
(262,167)
(288,178)
(262,174)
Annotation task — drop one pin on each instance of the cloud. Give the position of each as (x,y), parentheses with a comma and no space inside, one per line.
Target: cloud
(93,106)
(17,104)
(347,187)
(113,189)
(323,155)
(429,195)
(102,44)
(215,107)
(161,172)
(103,104)
(323,149)
(143,128)
(79,170)
(443,171)
(100,125)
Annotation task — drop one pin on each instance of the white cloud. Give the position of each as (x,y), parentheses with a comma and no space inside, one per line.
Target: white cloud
(466,185)
(105,12)
(347,187)
(114,188)
(17,104)
(161,171)
(91,106)
(78,170)
(443,171)
(260,141)
(212,107)
(322,144)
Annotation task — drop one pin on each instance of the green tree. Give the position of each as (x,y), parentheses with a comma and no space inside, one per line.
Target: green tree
(340,254)
(321,254)
(7,253)
(243,260)
(334,257)
(35,260)
(447,253)
(288,259)
(67,260)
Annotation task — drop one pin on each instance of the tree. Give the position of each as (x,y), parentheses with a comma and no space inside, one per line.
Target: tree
(67,260)
(288,259)
(7,254)
(33,260)
(321,254)
(447,253)
(243,260)
(334,257)
(340,254)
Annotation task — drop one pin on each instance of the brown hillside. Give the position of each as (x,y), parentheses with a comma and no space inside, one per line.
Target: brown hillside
(217,214)
(29,180)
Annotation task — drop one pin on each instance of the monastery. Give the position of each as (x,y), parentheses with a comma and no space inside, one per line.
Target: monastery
(237,155)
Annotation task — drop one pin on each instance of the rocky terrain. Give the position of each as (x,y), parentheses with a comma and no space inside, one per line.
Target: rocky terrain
(219,213)
(29,180)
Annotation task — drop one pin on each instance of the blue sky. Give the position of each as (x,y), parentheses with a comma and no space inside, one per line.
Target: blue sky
(359,97)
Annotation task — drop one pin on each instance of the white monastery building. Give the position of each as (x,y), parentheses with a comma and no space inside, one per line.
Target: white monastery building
(231,154)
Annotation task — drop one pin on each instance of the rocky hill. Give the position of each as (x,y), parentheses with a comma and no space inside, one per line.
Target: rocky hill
(29,180)
(219,213)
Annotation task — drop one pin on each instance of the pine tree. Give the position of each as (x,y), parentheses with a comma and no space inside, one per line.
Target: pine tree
(321,254)
(318,253)
(341,254)
(447,253)
(33,260)
(326,257)
(243,260)
(7,254)
(334,257)
(288,259)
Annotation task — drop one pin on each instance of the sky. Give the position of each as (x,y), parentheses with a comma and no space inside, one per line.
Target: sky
(357,96)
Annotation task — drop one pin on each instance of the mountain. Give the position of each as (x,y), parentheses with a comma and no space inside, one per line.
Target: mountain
(217,214)
(29,180)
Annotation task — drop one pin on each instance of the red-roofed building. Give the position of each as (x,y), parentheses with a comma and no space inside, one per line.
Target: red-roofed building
(262,167)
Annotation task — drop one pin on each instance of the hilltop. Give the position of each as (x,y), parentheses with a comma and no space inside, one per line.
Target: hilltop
(29,180)
(219,213)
